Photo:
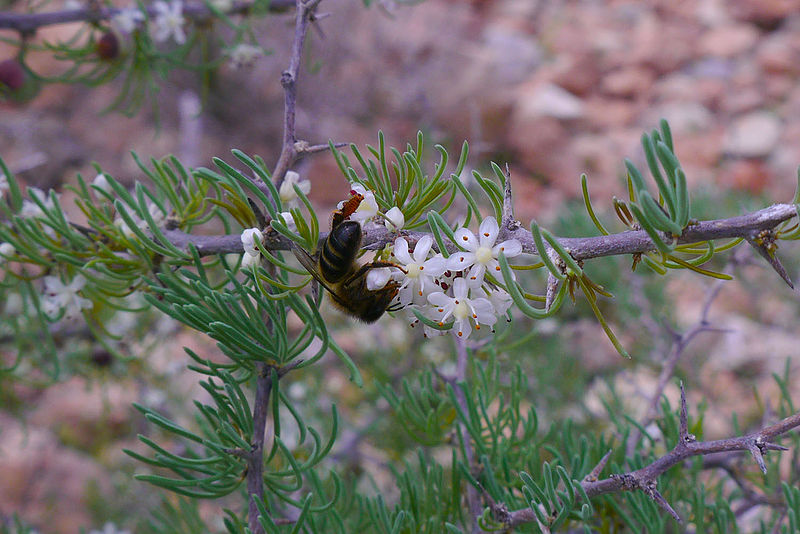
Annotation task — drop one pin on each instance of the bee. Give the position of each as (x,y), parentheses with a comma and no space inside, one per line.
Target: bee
(336,269)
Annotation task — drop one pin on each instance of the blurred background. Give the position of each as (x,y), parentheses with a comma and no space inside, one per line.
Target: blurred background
(553,88)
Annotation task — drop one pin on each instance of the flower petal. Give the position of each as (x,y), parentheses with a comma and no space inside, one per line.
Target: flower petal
(475,276)
(488,232)
(422,248)
(378,278)
(483,311)
(462,328)
(401,251)
(460,288)
(437,298)
(460,261)
(510,248)
(465,238)
(434,267)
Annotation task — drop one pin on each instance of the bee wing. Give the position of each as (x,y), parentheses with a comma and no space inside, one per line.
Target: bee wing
(310,264)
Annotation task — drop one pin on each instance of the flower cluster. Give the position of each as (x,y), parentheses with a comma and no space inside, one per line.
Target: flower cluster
(60,297)
(454,289)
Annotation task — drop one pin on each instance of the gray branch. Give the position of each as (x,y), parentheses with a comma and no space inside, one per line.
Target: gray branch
(757,443)
(581,248)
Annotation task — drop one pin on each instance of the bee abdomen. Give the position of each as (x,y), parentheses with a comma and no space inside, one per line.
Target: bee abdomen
(340,251)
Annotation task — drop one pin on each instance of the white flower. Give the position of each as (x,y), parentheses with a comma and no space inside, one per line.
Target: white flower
(481,253)
(127,20)
(109,528)
(378,278)
(288,218)
(367,209)
(248,238)
(3,184)
(168,21)
(101,182)
(6,251)
(58,296)
(31,209)
(395,219)
(158,216)
(222,5)
(287,193)
(245,55)
(252,256)
(463,309)
(120,223)
(421,273)
(501,300)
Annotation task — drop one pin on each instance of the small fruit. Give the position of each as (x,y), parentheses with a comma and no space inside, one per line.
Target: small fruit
(108,46)
(12,75)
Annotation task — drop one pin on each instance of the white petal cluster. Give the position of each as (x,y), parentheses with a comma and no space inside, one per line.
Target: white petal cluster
(168,21)
(101,181)
(451,290)
(287,193)
(158,216)
(243,56)
(481,253)
(127,20)
(31,209)
(367,209)
(3,183)
(109,528)
(59,296)
(252,256)
(395,220)
(7,251)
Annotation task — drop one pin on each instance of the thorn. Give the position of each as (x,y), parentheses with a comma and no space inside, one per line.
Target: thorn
(774,447)
(552,289)
(771,258)
(662,502)
(683,433)
(508,221)
(594,474)
(755,450)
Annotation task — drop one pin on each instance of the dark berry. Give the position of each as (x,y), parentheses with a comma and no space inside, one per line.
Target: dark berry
(12,75)
(108,46)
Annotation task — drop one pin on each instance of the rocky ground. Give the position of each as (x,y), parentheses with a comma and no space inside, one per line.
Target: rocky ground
(553,88)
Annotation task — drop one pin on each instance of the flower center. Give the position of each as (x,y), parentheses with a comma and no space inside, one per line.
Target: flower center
(412,270)
(483,254)
(461,310)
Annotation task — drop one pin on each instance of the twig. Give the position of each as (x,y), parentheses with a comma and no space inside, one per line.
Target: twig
(457,383)
(681,341)
(581,248)
(255,462)
(28,23)
(303,18)
(645,478)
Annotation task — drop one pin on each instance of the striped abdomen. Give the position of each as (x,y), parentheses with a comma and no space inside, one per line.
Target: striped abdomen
(338,255)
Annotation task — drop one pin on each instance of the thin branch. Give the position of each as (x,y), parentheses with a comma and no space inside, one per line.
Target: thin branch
(289,151)
(581,248)
(255,463)
(28,23)
(679,345)
(645,478)
(457,382)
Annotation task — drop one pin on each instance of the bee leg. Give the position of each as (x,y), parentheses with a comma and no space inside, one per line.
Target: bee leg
(380,263)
